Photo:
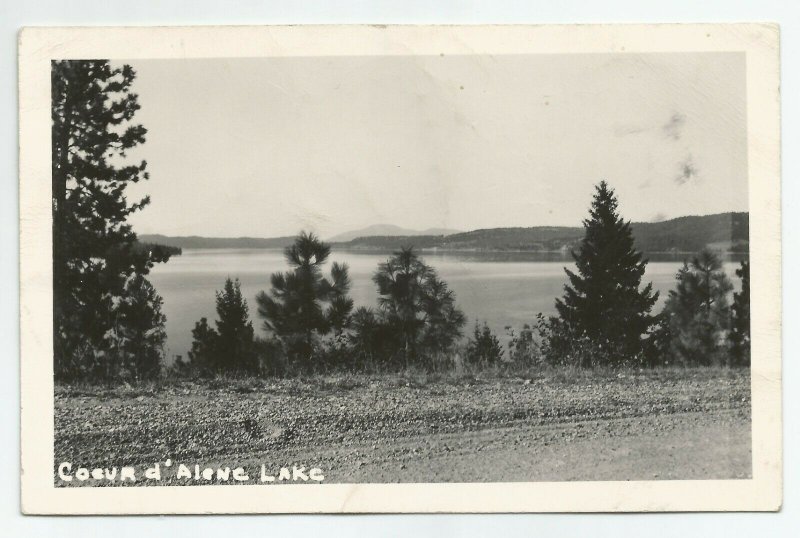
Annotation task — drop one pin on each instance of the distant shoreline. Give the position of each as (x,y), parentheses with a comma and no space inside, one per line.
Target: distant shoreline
(723,232)
(555,255)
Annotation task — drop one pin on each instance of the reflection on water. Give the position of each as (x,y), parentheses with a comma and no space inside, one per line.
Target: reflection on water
(501,288)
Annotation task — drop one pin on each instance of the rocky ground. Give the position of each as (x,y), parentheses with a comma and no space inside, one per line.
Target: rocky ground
(632,425)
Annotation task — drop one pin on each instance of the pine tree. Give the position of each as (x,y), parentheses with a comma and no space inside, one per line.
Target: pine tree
(303,305)
(366,338)
(740,325)
(698,313)
(235,335)
(443,320)
(136,338)
(94,251)
(602,303)
(483,348)
(400,282)
(231,347)
(203,355)
(417,308)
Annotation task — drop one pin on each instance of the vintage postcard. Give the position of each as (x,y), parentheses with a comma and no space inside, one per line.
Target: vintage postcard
(400,269)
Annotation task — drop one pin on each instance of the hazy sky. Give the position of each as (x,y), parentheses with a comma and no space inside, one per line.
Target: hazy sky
(266,147)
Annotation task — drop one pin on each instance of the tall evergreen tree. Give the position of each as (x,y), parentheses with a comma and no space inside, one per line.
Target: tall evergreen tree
(740,323)
(603,302)
(698,312)
(304,305)
(93,245)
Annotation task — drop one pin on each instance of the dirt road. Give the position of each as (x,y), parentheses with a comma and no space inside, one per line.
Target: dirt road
(682,446)
(667,424)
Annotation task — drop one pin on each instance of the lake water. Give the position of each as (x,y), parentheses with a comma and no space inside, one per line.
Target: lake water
(499,288)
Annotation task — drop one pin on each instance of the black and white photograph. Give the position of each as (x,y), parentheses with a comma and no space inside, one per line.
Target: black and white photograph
(406,268)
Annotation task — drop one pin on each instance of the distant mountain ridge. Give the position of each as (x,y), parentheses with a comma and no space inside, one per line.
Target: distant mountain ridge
(723,231)
(386,230)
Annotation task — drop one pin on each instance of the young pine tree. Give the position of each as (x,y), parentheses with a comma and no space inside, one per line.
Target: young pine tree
(443,320)
(137,335)
(231,348)
(235,335)
(367,339)
(602,304)
(740,323)
(698,313)
(303,305)
(483,349)
(94,253)
(203,355)
(417,308)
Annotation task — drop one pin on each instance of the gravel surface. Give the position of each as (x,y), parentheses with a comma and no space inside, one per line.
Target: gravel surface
(662,424)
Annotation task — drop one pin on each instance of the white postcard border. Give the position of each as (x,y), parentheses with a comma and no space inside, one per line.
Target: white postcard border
(38,46)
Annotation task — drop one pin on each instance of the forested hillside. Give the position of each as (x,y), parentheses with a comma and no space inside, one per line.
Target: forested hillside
(725,231)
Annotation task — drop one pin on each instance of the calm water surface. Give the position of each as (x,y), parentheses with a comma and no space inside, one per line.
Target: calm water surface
(499,288)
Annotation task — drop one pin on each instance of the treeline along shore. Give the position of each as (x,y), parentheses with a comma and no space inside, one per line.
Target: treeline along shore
(160,250)
(604,319)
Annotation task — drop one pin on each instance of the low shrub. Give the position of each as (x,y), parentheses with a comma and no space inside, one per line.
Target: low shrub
(483,348)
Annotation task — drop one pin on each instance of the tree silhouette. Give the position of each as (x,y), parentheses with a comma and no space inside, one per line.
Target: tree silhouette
(94,250)
(443,321)
(740,326)
(234,330)
(416,306)
(137,335)
(303,304)
(231,348)
(602,302)
(483,348)
(203,355)
(368,338)
(698,313)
